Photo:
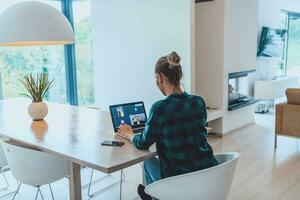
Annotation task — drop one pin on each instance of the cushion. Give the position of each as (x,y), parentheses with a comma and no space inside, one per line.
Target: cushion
(293,96)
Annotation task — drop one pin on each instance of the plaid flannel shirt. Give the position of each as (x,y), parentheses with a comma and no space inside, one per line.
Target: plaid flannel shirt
(177,125)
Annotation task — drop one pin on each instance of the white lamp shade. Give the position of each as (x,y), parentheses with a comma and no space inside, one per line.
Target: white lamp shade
(33,23)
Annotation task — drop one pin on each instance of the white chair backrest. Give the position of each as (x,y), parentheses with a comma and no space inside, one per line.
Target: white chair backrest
(33,167)
(208,184)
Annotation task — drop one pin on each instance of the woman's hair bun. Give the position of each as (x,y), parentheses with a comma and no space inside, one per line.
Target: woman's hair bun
(174,59)
(170,66)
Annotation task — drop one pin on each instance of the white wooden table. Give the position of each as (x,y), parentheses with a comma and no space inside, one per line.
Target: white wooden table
(73,133)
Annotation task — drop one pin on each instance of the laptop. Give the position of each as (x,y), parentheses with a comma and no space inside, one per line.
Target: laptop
(132,114)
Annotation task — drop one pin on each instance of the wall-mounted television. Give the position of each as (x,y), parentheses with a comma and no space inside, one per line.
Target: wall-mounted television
(272,42)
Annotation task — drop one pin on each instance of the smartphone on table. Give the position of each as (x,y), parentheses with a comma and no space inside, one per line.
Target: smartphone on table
(112,143)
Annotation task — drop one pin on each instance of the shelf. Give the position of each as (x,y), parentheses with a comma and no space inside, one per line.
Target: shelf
(213,114)
(242,105)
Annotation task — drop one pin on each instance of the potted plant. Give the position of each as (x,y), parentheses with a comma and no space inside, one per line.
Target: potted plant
(37,89)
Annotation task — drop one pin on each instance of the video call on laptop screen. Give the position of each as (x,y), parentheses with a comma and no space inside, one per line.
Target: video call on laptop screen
(131,114)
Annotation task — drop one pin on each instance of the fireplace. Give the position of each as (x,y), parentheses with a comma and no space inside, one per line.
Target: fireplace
(238,95)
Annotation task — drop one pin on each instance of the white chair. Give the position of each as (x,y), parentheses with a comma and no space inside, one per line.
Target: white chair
(208,184)
(33,167)
(4,168)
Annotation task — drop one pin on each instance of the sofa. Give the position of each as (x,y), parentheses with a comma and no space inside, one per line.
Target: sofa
(287,120)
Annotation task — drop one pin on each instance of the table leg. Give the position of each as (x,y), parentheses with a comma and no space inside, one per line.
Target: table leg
(143,174)
(74,181)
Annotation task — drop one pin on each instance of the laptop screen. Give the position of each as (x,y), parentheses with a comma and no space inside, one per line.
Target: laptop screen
(132,114)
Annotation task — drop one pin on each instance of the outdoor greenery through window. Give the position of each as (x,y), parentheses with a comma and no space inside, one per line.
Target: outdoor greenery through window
(15,62)
(291,22)
(83,48)
(282,62)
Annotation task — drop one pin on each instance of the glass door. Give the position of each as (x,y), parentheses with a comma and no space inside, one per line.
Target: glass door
(293,45)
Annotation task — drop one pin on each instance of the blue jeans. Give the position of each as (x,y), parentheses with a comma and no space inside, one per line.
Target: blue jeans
(152,170)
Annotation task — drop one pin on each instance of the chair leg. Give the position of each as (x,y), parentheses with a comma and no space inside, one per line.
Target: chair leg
(143,175)
(51,192)
(275,141)
(90,182)
(19,186)
(107,187)
(39,191)
(41,194)
(121,183)
(37,194)
(7,184)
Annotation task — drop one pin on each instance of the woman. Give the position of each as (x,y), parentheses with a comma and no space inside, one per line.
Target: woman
(176,124)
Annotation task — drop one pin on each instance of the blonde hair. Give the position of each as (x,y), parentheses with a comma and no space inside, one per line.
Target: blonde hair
(170,66)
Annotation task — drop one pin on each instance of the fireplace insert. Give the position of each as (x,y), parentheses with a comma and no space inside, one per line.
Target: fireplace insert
(238,95)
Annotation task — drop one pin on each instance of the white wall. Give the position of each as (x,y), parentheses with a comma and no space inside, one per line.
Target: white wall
(129,37)
(240,33)
(241,21)
(269,11)
(226,41)
(240,46)
(210,52)
(269,15)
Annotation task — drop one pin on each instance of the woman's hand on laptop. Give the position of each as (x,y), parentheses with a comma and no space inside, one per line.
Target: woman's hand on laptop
(125,131)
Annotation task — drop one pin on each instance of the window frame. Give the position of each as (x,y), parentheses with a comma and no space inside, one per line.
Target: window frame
(70,57)
(289,15)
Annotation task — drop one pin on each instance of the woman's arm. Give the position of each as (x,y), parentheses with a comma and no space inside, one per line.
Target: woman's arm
(151,131)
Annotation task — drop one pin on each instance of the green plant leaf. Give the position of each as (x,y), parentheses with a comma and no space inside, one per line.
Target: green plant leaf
(37,87)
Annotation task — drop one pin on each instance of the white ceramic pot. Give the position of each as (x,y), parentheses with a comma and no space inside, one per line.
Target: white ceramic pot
(38,110)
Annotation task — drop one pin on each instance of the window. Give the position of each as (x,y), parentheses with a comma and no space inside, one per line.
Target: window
(293,48)
(15,62)
(83,49)
(282,62)
(292,61)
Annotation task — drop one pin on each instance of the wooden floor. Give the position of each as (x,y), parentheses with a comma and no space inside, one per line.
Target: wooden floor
(262,172)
